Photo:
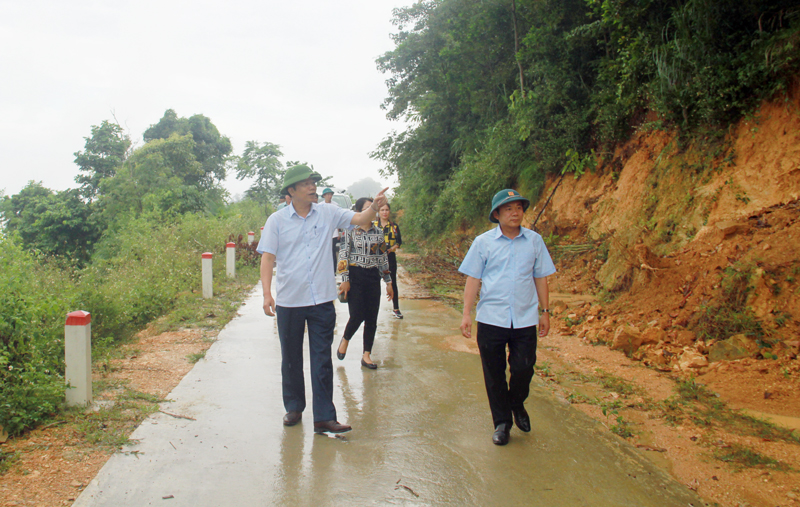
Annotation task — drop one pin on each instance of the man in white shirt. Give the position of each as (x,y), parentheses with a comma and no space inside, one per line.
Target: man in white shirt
(299,236)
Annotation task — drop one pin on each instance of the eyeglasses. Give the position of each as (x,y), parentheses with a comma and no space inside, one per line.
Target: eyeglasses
(307,183)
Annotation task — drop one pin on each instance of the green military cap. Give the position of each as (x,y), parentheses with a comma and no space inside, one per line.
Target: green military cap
(327,191)
(297,174)
(504,197)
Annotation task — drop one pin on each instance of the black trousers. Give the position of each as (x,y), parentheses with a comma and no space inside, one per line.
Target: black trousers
(364,299)
(505,396)
(335,254)
(393,271)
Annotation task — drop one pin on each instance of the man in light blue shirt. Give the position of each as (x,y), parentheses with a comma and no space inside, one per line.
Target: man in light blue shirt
(510,265)
(286,200)
(299,237)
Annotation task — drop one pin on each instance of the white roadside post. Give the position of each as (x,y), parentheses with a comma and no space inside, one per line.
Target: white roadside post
(78,358)
(208,277)
(251,237)
(230,260)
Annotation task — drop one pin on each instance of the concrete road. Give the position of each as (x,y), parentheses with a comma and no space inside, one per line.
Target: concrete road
(422,434)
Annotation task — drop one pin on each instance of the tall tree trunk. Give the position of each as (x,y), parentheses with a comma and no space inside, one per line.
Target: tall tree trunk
(516,47)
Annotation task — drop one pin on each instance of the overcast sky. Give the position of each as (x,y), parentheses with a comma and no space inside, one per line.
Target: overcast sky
(298,74)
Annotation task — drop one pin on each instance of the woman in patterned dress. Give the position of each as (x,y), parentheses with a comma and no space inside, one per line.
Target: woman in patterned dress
(362,264)
(391,234)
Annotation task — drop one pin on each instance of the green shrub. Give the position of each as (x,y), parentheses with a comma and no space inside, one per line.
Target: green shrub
(34,302)
(141,268)
(729,315)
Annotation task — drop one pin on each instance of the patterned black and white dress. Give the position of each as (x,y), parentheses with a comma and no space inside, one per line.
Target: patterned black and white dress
(363,262)
(364,249)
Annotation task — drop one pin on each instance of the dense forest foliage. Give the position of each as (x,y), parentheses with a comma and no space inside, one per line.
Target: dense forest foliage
(499,93)
(124,245)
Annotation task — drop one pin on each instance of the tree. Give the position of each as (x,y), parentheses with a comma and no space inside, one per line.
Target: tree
(450,76)
(211,149)
(54,223)
(261,163)
(451,72)
(103,154)
(162,176)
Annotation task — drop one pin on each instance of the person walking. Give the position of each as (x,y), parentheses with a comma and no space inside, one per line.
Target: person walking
(391,234)
(299,237)
(510,264)
(287,199)
(362,264)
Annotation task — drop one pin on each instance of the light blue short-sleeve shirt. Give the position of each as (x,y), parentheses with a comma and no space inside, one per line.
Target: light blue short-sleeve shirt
(302,250)
(506,268)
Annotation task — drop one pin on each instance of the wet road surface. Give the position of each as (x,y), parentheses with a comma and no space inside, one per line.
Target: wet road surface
(421,433)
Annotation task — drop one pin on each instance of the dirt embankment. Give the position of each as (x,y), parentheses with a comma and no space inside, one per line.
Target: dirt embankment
(694,246)
(691,254)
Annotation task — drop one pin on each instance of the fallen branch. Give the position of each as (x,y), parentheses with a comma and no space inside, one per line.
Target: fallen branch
(50,425)
(649,448)
(178,416)
(407,488)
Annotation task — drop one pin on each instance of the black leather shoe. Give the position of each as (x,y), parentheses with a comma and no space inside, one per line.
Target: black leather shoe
(501,434)
(340,355)
(330,427)
(371,366)
(292,418)
(522,419)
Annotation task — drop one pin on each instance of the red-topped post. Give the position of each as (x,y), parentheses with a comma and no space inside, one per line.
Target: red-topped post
(78,358)
(208,276)
(251,237)
(230,260)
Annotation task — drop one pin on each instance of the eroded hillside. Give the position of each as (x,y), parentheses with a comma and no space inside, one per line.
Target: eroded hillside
(693,255)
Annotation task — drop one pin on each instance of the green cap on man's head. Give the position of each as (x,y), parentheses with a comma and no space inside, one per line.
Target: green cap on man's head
(504,197)
(327,191)
(296,174)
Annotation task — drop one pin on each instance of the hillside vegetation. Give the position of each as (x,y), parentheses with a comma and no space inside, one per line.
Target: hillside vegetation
(502,93)
(675,124)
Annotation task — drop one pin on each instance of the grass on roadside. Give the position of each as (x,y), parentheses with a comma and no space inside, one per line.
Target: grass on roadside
(110,426)
(194,358)
(7,460)
(192,311)
(612,409)
(704,408)
(741,457)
